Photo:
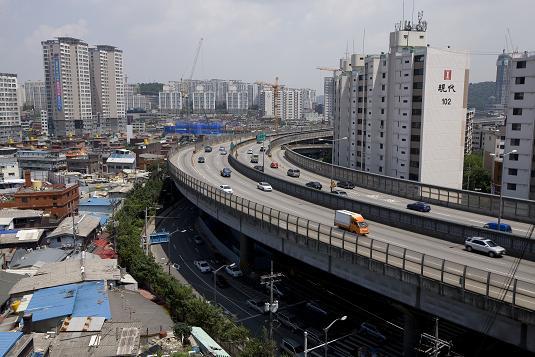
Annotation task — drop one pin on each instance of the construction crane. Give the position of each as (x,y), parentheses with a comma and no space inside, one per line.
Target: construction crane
(183,88)
(276,93)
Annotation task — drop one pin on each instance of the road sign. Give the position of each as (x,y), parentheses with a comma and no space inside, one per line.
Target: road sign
(260,138)
(159,237)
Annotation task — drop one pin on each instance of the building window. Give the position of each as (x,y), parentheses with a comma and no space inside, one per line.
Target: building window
(517,111)
(380,146)
(415,151)
(383,87)
(381,134)
(515,142)
(384,75)
(512,172)
(520,80)
(519,95)
(418,71)
(513,157)
(521,64)
(382,111)
(415,137)
(417,112)
(511,186)
(516,126)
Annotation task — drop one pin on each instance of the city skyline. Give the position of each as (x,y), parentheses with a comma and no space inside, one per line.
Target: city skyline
(258,40)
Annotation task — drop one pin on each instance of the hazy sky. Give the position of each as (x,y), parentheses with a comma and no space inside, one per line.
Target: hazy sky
(253,39)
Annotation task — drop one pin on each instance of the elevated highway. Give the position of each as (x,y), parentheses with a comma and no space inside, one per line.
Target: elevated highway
(430,274)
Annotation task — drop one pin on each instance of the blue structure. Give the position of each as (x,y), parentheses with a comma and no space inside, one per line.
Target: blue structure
(78,300)
(195,128)
(8,340)
(96,204)
(159,237)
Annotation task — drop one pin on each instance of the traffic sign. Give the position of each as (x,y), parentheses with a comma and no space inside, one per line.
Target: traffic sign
(260,138)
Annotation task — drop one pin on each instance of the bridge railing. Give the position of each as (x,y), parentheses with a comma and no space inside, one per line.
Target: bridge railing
(513,208)
(500,291)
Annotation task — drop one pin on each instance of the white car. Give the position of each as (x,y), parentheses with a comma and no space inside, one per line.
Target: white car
(264,186)
(250,151)
(203,266)
(233,271)
(222,148)
(484,245)
(225,188)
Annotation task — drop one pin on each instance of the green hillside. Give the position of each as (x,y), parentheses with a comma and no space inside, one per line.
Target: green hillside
(479,94)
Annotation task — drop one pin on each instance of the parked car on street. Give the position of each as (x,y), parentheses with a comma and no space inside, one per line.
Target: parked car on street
(419,206)
(372,331)
(225,188)
(484,245)
(202,265)
(226,172)
(293,172)
(257,305)
(264,186)
(200,159)
(314,184)
(233,271)
(345,184)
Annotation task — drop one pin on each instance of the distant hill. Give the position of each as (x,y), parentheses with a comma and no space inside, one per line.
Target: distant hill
(150,88)
(479,95)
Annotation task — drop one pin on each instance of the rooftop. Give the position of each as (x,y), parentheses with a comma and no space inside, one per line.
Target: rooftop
(87,299)
(85,225)
(19,213)
(7,280)
(20,236)
(8,340)
(36,258)
(68,272)
(95,201)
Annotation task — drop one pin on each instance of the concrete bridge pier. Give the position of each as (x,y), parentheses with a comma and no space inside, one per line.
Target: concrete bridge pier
(246,253)
(411,331)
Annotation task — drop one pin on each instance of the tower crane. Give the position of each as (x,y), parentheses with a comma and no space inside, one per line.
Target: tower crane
(183,87)
(276,93)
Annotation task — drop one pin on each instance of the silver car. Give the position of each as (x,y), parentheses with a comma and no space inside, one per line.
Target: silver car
(484,245)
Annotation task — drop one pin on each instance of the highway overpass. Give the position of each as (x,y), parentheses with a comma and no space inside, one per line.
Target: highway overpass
(426,273)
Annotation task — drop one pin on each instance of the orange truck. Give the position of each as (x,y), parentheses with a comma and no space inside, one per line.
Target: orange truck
(350,221)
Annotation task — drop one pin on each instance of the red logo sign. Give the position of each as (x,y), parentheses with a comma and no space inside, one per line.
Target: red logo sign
(447,74)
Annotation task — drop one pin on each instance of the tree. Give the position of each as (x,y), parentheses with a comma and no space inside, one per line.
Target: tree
(183,330)
(474,174)
(259,347)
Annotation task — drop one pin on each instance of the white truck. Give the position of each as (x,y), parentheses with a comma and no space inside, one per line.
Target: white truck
(350,221)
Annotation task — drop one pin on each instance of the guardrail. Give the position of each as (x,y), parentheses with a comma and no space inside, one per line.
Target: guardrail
(513,208)
(506,295)
(439,228)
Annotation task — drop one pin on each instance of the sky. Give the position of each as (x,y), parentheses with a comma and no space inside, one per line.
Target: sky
(254,40)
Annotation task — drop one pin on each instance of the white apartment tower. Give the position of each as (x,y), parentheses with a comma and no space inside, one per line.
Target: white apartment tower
(10,128)
(266,103)
(67,81)
(203,100)
(328,98)
(107,82)
(237,99)
(518,177)
(404,112)
(170,100)
(35,94)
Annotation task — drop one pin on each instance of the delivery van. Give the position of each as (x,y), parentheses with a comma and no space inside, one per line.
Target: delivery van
(350,221)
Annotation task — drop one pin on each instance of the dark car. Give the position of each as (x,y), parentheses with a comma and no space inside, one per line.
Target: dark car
(207,149)
(200,160)
(346,184)
(419,206)
(293,172)
(259,168)
(226,172)
(314,184)
(221,282)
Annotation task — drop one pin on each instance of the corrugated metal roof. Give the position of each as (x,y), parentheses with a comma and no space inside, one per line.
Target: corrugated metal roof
(7,280)
(23,259)
(207,343)
(82,324)
(7,340)
(85,225)
(95,201)
(84,299)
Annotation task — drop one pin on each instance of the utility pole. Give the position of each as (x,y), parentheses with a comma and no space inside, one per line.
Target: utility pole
(268,280)
(145,238)
(436,336)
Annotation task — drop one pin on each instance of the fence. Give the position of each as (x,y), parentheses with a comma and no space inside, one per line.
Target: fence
(497,289)
(513,208)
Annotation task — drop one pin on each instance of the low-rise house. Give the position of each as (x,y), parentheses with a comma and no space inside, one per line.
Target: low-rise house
(20,238)
(121,159)
(86,228)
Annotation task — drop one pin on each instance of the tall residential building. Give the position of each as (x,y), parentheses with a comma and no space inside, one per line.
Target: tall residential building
(502,80)
(328,98)
(170,100)
(68,88)
(309,99)
(10,128)
(292,105)
(237,99)
(203,100)
(35,94)
(404,112)
(266,103)
(253,92)
(519,168)
(107,84)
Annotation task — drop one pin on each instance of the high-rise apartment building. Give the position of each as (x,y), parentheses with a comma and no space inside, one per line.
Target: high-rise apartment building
(309,99)
(68,85)
(403,113)
(328,98)
(518,178)
(237,99)
(266,103)
(292,105)
(253,92)
(203,100)
(10,128)
(35,94)
(502,80)
(170,100)
(107,82)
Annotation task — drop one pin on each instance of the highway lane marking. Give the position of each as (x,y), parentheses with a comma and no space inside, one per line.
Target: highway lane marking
(212,288)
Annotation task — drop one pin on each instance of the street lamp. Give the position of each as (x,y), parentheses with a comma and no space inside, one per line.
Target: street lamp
(215,278)
(326,329)
(501,185)
(332,158)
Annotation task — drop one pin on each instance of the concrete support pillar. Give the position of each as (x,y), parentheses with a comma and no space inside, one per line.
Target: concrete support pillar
(246,253)
(411,333)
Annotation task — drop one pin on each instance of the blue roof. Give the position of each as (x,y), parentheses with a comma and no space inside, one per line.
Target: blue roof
(83,299)
(9,231)
(95,201)
(7,340)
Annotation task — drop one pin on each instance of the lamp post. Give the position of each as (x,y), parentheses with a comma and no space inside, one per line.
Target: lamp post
(501,185)
(215,278)
(332,158)
(326,329)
